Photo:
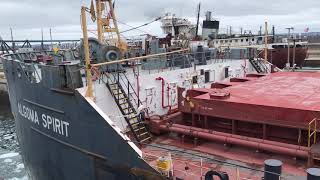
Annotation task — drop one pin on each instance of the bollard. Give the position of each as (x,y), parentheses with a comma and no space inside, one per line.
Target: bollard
(313,174)
(272,168)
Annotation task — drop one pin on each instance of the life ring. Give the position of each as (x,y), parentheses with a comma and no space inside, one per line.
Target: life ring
(95,73)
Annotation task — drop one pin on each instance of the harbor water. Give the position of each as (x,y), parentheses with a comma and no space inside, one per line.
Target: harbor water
(11,165)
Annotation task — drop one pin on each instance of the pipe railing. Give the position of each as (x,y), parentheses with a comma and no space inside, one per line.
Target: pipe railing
(138,58)
(312,131)
(128,86)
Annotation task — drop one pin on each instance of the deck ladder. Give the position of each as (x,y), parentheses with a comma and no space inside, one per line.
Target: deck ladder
(258,66)
(312,131)
(124,99)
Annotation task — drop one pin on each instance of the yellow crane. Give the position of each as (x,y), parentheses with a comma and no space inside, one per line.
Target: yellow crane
(104,26)
(107,23)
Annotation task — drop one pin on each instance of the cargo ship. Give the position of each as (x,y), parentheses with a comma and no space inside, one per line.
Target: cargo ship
(171,115)
(277,52)
(212,37)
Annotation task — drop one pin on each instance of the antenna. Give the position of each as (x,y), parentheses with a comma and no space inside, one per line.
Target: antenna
(42,48)
(198,17)
(288,59)
(265,42)
(273,34)
(51,39)
(13,44)
(260,31)
(11,34)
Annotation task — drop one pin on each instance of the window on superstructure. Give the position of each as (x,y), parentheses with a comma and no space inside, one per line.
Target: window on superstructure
(230,40)
(241,40)
(236,40)
(247,39)
(226,41)
(221,41)
(252,39)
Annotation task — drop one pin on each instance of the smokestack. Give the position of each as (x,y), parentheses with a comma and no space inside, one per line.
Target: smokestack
(208,16)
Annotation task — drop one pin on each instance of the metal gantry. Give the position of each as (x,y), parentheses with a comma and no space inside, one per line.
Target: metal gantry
(5,46)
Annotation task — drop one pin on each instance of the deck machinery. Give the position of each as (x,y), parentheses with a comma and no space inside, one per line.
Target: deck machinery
(276,113)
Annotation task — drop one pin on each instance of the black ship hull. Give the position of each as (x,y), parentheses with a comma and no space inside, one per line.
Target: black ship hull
(279,56)
(62,136)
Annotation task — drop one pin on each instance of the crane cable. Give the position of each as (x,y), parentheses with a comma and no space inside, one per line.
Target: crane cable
(145,24)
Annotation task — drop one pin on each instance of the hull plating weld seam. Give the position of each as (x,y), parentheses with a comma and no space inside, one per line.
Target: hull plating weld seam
(44,107)
(68,144)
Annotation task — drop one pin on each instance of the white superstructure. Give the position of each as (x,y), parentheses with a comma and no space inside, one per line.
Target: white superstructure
(175,25)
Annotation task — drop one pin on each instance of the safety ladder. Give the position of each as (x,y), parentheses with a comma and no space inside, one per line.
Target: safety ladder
(134,119)
(312,131)
(257,65)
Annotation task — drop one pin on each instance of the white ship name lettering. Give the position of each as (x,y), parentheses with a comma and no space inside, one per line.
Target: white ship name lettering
(48,122)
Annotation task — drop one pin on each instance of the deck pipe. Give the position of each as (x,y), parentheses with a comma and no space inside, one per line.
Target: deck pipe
(292,146)
(162,93)
(276,147)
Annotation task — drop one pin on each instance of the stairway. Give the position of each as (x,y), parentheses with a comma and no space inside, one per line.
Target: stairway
(256,65)
(134,120)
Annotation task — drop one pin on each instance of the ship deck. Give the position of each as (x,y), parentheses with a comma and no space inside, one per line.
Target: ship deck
(298,90)
(191,162)
(290,97)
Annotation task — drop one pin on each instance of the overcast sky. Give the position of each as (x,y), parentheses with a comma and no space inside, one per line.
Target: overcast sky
(27,17)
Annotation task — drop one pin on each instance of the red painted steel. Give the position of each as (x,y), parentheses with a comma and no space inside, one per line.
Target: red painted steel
(162,93)
(243,137)
(259,144)
(287,99)
(278,56)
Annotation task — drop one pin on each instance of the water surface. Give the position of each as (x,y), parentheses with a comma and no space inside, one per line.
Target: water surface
(11,166)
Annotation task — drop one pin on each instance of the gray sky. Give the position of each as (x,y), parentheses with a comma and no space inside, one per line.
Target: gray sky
(27,17)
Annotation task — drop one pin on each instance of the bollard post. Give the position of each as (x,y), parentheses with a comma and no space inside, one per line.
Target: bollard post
(313,174)
(272,168)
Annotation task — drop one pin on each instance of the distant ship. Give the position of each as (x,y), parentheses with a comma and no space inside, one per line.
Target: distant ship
(277,48)
(277,52)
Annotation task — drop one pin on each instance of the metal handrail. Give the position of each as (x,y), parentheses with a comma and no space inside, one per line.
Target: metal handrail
(120,80)
(313,133)
(130,85)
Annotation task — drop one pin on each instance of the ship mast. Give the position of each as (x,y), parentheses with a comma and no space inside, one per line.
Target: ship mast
(266,42)
(198,17)
(99,23)
(89,92)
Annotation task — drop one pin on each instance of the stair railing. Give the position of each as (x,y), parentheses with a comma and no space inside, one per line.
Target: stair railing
(312,131)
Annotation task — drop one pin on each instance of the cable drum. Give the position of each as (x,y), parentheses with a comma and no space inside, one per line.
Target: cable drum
(111,53)
(95,52)
(100,53)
